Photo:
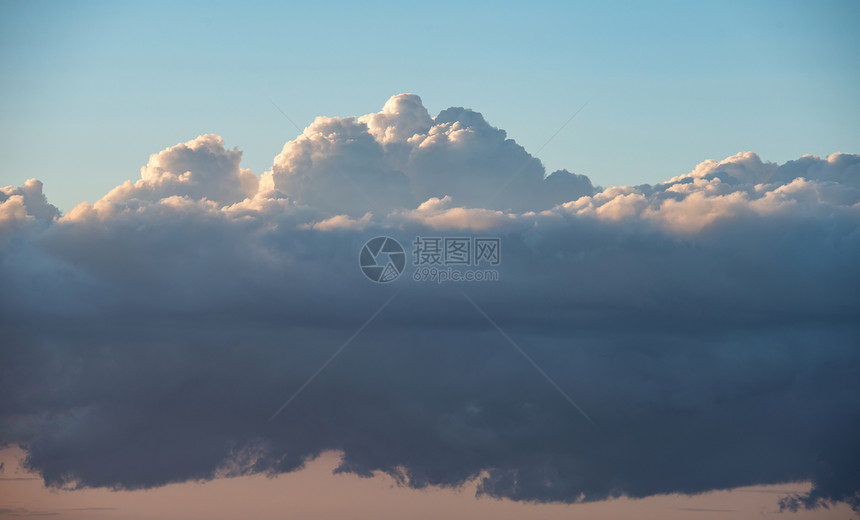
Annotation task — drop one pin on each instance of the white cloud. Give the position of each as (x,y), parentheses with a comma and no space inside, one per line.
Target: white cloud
(739,186)
(400,157)
(339,222)
(402,118)
(26,203)
(198,169)
(438,213)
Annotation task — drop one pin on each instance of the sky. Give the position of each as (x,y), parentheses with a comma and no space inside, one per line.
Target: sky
(468,261)
(667,84)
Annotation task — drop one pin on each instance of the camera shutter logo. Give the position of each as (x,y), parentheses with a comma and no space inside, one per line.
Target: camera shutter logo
(382,259)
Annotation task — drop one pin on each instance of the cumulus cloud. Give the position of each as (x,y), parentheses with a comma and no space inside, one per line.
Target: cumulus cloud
(26,203)
(441,214)
(402,117)
(737,187)
(400,157)
(707,324)
(199,169)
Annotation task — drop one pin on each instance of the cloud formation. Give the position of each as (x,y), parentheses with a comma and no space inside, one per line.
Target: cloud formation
(26,203)
(707,324)
(401,157)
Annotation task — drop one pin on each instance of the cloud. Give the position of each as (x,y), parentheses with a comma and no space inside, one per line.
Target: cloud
(402,117)
(339,222)
(23,204)
(440,214)
(201,169)
(708,324)
(740,186)
(20,511)
(400,157)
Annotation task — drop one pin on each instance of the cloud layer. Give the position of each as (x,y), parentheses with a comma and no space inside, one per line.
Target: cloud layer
(707,324)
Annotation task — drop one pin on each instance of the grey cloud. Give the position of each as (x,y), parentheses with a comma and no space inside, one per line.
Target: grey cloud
(20,511)
(151,346)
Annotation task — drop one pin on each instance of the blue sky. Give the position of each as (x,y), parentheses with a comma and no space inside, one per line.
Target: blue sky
(88,91)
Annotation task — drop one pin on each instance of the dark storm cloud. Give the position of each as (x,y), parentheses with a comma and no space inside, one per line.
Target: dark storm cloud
(708,325)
